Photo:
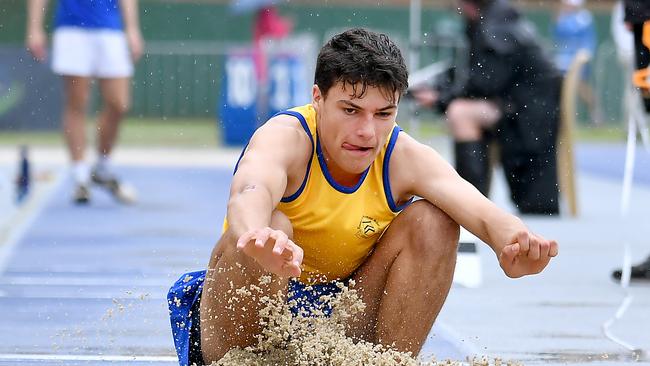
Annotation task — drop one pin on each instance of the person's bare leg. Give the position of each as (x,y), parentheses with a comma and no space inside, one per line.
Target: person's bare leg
(77,89)
(116,99)
(225,325)
(587,94)
(405,281)
(468,119)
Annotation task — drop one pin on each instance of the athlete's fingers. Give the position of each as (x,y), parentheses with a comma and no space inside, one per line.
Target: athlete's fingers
(245,239)
(280,239)
(544,248)
(262,237)
(292,269)
(554,249)
(509,253)
(298,253)
(287,253)
(523,238)
(534,250)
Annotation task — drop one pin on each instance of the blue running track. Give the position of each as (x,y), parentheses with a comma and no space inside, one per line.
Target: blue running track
(87,284)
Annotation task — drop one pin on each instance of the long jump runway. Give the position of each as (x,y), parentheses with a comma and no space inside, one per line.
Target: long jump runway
(87,284)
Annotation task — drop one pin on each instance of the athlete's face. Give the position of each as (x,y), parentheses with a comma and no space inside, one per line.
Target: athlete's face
(353,130)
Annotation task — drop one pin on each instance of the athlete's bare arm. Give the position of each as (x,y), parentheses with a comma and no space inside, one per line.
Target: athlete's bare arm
(274,161)
(130,15)
(416,169)
(35,38)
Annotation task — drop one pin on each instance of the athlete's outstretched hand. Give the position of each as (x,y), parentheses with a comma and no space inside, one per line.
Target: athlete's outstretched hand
(273,250)
(527,254)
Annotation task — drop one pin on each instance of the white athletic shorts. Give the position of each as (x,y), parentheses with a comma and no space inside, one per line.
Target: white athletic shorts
(100,53)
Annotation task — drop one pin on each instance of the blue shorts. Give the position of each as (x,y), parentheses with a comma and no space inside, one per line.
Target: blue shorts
(184,298)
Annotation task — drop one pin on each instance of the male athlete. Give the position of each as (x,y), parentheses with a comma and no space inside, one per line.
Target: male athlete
(327,192)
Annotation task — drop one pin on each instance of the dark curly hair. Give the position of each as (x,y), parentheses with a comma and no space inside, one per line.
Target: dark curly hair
(361,58)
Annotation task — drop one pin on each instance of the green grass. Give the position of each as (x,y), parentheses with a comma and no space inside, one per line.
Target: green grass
(204,133)
(583,132)
(199,133)
(604,133)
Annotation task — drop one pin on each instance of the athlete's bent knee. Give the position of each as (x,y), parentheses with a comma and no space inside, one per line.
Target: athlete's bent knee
(431,228)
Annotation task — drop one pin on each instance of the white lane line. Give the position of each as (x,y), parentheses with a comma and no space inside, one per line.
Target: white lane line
(85,296)
(110,358)
(14,230)
(85,281)
(82,288)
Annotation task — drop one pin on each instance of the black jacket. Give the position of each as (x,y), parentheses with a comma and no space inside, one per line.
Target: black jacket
(508,66)
(637,11)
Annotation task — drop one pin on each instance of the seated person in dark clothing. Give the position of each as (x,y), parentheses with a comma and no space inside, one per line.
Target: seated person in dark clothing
(510,95)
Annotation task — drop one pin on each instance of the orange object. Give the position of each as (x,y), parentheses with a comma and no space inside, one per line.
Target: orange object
(641,78)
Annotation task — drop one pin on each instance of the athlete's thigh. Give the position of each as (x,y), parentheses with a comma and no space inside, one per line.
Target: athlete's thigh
(406,229)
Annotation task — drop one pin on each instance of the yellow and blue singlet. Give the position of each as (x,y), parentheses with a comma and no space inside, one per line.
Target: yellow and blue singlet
(337,226)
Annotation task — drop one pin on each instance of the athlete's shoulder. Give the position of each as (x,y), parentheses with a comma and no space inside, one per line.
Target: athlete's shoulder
(405,146)
(295,119)
(282,137)
(281,129)
(412,157)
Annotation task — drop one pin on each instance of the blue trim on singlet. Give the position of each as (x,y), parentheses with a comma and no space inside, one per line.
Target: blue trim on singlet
(385,177)
(239,159)
(305,127)
(328,176)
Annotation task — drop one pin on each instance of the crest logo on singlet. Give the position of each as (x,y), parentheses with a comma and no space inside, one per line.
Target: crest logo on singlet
(367,227)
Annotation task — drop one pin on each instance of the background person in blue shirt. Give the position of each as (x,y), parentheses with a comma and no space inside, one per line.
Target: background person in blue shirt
(100,40)
(574,30)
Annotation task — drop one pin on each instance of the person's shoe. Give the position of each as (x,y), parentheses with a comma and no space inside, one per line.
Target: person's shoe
(121,191)
(640,272)
(81,194)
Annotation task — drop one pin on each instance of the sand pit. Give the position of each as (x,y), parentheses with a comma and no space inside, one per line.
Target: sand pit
(318,340)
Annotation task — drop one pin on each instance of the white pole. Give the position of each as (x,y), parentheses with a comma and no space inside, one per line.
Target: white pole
(635,112)
(415,41)
(630,155)
(415,25)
